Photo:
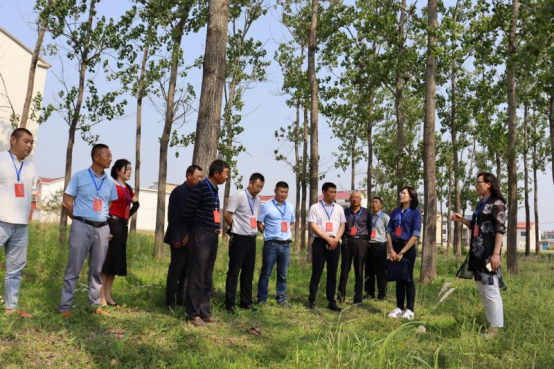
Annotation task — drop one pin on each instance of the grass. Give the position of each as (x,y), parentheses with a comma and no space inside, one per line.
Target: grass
(144,334)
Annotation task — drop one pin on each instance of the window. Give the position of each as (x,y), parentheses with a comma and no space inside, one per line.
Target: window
(523,233)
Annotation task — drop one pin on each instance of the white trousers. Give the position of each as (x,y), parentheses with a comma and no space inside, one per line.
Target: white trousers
(492,302)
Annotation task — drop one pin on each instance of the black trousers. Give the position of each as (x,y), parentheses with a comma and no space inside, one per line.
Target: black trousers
(320,256)
(176,276)
(242,259)
(405,289)
(353,250)
(200,265)
(376,270)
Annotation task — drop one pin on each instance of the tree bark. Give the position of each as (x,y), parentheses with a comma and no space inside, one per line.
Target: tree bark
(353,165)
(164,141)
(297,177)
(551,121)
(303,210)
(32,71)
(526,174)
(536,199)
(448,220)
(229,143)
(314,111)
(399,89)
(512,143)
(76,116)
(428,262)
(140,96)
(371,104)
(213,79)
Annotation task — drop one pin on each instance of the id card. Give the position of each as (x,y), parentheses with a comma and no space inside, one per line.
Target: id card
(373,233)
(217,218)
(19,190)
(398,231)
(253,222)
(284,227)
(353,231)
(329,227)
(476,230)
(97,205)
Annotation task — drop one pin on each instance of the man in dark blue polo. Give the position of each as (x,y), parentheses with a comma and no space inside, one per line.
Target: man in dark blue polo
(87,200)
(275,222)
(177,236)
(203,219)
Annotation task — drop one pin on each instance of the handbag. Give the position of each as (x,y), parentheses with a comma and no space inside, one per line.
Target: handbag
(463,272)
(397,271)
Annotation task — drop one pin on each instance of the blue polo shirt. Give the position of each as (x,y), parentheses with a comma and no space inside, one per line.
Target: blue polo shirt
(409,220)
(83,189)
(272,215)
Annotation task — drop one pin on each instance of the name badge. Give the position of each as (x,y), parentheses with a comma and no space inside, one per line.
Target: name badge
(398,231)
(329,227)
(19,190)
(97,205)
(253,222)
(353,231)
(284,227)
(373,233)
(476,230)
(217,218)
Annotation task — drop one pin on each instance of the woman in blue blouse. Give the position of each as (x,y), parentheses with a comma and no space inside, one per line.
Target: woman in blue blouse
(403,232)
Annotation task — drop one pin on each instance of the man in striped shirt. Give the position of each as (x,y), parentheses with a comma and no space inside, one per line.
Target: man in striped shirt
(202,217)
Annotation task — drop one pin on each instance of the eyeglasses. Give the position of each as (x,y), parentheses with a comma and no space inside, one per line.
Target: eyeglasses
(479,182)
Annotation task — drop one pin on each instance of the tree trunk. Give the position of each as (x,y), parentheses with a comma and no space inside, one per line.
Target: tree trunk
(32,71)
(75,118)
(449,214)
(428,262)
(370,122)
(498,159)
(551,121)
(213,79)
(297,177)
(353,165)
(140,96)
(303,210)
(314,112)
(226,195)
(399,89)
(536,200)
(229,143)
(164,141)
(512,144)
(442,233)
(526,174)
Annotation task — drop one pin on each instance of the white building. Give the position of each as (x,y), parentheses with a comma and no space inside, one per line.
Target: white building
(15,61)
(49,190)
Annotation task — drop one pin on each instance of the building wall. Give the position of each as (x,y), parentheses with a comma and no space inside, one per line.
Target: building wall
(15,61)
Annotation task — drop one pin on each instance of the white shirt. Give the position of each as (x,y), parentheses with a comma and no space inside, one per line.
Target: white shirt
(243,207)
(15,210)
(333,214)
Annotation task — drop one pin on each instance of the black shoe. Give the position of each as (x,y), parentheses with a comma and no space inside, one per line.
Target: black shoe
(248,307)
(231,310)
(311,306)
(284,304)
(333,307)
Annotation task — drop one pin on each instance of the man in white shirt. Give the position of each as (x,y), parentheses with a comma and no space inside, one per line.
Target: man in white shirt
(17,179)
(327,222)
(242,218)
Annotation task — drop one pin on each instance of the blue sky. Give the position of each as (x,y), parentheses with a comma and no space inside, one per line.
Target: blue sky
(265,111)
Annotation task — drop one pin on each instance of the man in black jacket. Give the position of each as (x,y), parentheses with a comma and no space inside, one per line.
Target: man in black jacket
(176,236)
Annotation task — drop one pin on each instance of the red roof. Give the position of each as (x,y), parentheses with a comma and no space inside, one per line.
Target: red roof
(48,180)
(521,225)
(341,195)
(265,198)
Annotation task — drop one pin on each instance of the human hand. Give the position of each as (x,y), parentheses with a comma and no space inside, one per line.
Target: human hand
(110,237)
(332,243)
(177,245)
(185,241)
(392,256)
(399,256)
(456,217)
(495,262)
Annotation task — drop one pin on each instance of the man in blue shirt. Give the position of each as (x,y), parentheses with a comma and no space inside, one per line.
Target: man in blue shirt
(275,222)
(87,200)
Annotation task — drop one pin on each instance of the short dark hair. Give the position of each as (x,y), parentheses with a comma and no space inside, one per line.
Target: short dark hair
(18,132)
(414,203)
(96,149)
(255,176)
(327,185)
(377,198)
(118,165)
(193,168)
(217,166)
(281,184)
(496,193)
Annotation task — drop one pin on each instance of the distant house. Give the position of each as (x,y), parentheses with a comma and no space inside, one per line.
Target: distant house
(521,234)
(15,60)
(343,198)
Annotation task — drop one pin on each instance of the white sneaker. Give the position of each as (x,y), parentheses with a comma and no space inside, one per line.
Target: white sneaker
(396,313)
(408,314)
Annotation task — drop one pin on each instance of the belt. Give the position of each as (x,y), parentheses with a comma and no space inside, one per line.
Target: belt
(253,237)
(211,230)
(115,217)
(280,242)
(356,237)
(376,243)
(91,223)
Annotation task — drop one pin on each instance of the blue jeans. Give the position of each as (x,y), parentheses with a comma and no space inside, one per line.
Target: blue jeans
(14,238)
(274,252)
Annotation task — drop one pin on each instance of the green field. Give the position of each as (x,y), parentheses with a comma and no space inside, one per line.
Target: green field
(144,334)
